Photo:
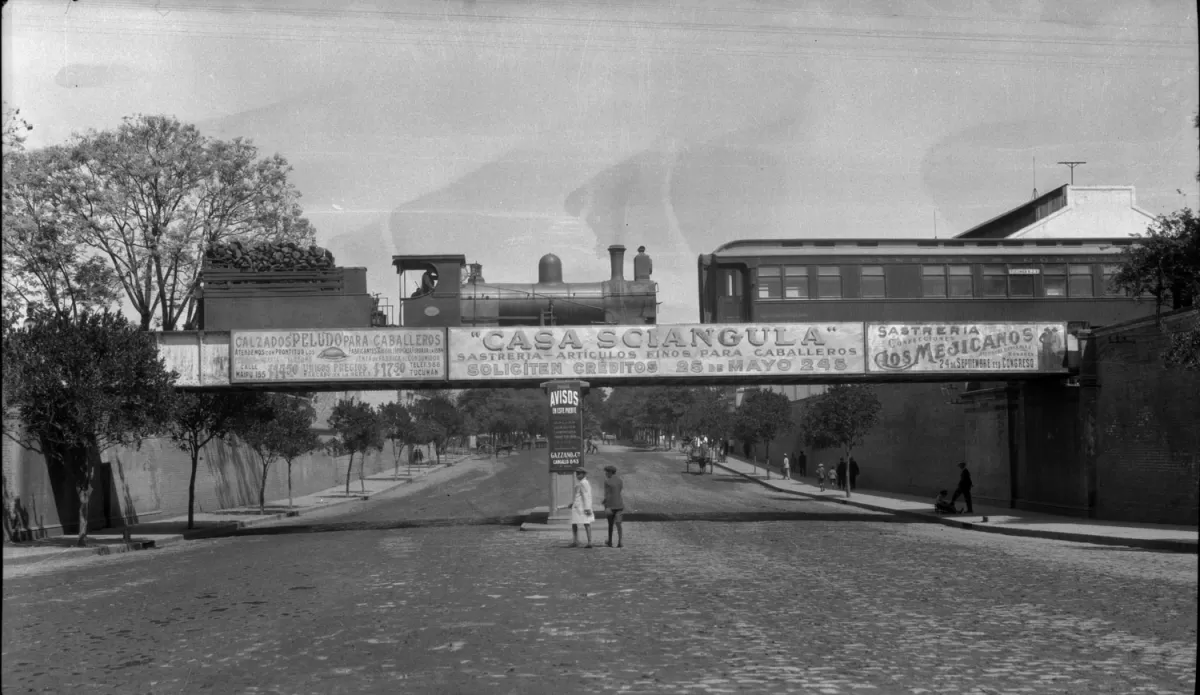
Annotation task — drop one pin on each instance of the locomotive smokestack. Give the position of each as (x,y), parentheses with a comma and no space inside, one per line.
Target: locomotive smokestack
(616,255)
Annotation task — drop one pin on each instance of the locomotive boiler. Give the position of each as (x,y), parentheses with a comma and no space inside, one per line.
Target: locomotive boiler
(452,292)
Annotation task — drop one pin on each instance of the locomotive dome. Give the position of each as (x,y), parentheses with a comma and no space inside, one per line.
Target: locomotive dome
(550,269)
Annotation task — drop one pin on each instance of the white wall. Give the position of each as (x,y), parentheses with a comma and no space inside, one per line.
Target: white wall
(1093,211)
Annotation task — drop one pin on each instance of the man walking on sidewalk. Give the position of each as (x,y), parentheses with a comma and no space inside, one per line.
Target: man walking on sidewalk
(853,474)
(802,464)
(787,467)
(964,487)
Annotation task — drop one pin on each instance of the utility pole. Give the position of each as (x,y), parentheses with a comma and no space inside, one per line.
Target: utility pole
(1072,165)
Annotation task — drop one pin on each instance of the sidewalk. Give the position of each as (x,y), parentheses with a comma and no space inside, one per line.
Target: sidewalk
(160,532)
(1013,522)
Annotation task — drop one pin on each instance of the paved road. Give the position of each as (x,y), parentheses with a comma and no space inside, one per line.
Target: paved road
(730,588)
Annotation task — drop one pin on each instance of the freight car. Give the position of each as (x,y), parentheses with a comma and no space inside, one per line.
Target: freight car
(897,280)
(444,297)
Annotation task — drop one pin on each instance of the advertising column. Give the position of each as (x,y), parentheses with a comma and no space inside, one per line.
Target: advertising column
(565,442)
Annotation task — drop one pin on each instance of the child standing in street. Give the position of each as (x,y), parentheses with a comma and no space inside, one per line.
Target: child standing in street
(581,508)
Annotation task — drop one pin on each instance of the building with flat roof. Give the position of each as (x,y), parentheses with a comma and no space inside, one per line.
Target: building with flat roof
(1069,212)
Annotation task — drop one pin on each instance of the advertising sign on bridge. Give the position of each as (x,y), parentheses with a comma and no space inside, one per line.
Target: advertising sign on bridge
(641,352)
(359,354)
(966,347)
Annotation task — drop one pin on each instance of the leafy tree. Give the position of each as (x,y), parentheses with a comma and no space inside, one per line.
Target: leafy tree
(358,431)
(152,194)
(840,417)
(81,386)
(496,413)
(15,129)
(762,416)
(1184,348)
(1165,263)
(199,418)
(710,414)
(46,263)
(294,436)
(437,420)
(398,427)
(276,426)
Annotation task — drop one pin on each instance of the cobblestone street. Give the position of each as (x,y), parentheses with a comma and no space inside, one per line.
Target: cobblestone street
(820,598)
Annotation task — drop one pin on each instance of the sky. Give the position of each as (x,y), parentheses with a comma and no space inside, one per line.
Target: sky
(503,130)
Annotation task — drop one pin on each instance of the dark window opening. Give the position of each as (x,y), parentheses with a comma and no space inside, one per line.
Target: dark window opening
(995,281)
(872,281)
(1081,280)
(962,283)
(933,280)
(829,282)
(1020,285)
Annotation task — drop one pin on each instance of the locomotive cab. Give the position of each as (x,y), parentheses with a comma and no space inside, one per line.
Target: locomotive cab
(429,289)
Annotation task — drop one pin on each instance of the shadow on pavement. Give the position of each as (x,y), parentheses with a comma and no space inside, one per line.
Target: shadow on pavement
(644,517)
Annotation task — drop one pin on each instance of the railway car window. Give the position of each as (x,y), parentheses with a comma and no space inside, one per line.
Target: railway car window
(795,282)
(1054,280)
(995,281)
(873,283)
(1020,285)
(829,282)
(768,282)
(1110,271)
(1081,280)
(933,280)
(962,284)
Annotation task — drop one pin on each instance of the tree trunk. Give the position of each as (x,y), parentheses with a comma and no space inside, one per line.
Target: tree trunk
(437,452)
(767,463)
(362,462)
(192,489)
(289,465)
(262,490)
(84,490)
(349,468)
(396,457)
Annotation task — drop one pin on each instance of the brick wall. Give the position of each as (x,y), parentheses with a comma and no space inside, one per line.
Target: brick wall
(1052,473)
(1148,441)
(986,445)
(913,449)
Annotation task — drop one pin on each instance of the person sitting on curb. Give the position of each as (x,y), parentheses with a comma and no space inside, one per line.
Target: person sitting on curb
(942,505)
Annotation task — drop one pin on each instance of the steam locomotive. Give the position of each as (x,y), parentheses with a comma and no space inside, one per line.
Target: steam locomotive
(445,298)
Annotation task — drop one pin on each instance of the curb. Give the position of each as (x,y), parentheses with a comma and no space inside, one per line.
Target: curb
(1163,544)
(223,529)
(80,552)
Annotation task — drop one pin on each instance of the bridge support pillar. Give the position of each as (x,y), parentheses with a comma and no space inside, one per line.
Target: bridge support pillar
(564,443)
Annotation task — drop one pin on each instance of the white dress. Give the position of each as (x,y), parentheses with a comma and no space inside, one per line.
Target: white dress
(581,503)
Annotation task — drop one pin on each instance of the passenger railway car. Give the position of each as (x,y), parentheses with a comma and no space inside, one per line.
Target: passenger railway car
(444,297)
(819,280)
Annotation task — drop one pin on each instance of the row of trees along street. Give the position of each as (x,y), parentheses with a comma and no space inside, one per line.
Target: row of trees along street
(124,216)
